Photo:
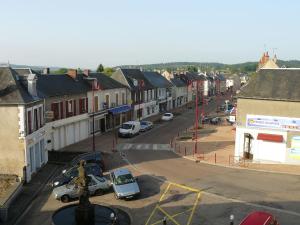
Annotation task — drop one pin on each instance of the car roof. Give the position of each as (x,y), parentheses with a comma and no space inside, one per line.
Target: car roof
(257,218)
(119,172)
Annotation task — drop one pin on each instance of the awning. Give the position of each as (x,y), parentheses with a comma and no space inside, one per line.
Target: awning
(120,109)
(270,137)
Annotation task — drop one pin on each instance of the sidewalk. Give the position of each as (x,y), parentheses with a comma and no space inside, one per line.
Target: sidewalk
(29,193)
(216,146)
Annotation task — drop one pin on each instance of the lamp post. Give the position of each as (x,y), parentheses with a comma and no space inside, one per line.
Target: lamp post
(196,117)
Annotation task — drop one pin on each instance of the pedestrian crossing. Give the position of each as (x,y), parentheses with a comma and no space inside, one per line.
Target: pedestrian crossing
(144,146)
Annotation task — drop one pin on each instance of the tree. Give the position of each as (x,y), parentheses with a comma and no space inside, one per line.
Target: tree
(61,71)
(100,68)
(192,69)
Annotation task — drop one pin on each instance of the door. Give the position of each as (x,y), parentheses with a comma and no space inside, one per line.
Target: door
(31,158)
(37,154)
(102,125)
(248,146)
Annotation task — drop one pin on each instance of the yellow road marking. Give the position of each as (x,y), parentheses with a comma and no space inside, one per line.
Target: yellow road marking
(193,210)
(152,213)
(162,196)
(185,187)
(177,214)
(168,215)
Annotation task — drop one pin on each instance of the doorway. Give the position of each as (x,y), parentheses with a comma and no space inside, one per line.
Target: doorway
(102,125)
(248,146)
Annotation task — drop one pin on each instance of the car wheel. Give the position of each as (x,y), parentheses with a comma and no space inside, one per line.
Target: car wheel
(65,198)
(99,192)
(116,196)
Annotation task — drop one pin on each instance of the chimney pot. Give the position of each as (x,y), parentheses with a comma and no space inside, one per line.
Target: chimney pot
(46,70)
(72,73)
(86,72)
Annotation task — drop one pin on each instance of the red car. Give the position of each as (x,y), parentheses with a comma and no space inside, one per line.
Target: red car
(259,218)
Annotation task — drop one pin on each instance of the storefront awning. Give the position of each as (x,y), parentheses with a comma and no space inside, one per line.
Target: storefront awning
(120,109)
(270,137)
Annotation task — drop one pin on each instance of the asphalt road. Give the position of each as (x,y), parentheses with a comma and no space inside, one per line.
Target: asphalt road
(223,191)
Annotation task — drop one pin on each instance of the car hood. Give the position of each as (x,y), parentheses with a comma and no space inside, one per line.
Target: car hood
(124,131)
(127,189)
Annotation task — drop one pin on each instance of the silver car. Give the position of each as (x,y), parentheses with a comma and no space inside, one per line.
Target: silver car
(96,185)
(124,184)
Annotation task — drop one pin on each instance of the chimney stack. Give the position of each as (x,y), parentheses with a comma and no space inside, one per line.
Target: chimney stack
(31,80)
(72,73)
(46,71)
(86,72)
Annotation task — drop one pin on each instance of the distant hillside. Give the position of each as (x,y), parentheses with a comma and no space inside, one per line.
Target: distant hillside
(240,67)
(52,68)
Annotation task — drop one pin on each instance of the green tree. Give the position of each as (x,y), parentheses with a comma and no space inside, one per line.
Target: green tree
(108,71)
(61,71)
(192,69)
(100,68)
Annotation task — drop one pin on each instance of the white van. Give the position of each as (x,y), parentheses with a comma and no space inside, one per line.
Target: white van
(129,129)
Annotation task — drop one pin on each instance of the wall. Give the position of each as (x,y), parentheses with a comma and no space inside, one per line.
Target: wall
(12,148)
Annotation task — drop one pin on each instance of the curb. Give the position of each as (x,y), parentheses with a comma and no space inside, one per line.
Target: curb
(238,168)
(19,217)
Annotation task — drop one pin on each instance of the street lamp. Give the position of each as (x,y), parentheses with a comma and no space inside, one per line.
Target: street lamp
(196,117)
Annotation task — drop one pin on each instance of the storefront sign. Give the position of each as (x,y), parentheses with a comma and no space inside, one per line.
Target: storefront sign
(295,148)
(273,122)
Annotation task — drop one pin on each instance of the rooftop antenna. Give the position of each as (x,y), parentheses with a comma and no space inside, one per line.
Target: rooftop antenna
(274,49)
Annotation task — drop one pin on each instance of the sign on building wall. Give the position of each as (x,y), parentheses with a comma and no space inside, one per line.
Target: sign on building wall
(295,148)
(273,122)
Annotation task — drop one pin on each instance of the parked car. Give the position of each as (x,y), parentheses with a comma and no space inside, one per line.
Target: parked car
(167,117)
(215,120)
(129,129)
(90,157)
(69,173)
(96,185)
(124,184)
(146,125)
(205,119)
(259,218)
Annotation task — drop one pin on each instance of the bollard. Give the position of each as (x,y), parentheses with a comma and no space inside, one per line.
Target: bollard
(165,221)
(185,151)
(231,219)
(215,158)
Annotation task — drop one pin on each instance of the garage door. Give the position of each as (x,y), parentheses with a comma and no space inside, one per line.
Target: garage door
(70,134)
(83,130)
(271,151)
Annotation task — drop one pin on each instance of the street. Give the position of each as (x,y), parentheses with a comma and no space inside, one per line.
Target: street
(183,191)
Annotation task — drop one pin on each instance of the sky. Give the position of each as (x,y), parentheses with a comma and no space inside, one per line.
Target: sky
(85,33)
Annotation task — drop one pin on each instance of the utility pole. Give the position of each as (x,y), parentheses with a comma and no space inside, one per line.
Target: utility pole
(196,117)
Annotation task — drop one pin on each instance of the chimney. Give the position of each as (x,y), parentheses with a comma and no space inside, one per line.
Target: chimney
(31,80)
(72,73)
(86,72)
(46,70)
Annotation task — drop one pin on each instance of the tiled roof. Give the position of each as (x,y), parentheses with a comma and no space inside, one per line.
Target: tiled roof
(106,82)
(178,82)
(157,80)
(273,84)
(131,74)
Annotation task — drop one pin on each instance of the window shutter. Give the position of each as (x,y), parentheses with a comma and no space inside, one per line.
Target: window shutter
(62,110)
(74,105)
(80,105)
(86,104)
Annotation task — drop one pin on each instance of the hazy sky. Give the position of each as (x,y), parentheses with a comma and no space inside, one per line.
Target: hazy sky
(85,33)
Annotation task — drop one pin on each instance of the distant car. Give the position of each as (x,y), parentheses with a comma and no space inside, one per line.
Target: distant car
(96,186)
(90,157)
(68,174)
(124,184)
(205,119)
(259,218)
(167,117)
(146,125)
(129,129)
(215,120)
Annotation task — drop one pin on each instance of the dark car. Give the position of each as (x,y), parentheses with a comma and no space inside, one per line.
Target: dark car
(90,157)
(69,173)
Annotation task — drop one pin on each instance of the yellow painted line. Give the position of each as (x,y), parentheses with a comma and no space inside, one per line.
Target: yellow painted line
(165,192)
(168,215)
(186,187)
(194,208)
(152,213)
(177,214)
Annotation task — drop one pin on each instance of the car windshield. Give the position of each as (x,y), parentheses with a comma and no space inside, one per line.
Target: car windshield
(167,114)
(71,172)
(124,179)
(126,126)
(144,123)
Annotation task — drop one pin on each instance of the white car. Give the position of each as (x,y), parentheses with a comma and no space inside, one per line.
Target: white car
(129,129)
(167,117)
(96,185)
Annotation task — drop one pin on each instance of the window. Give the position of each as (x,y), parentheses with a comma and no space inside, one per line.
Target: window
(35,120)
(29,120)
(42,149)
(74,107)
(41,122)
(149,94)
(123,98)
(107,100)
(152,94)
(82,105)
(145,96)
(69,108)
(117,99)
(62,111)
(96,104)
(153,109)
(148,110)
(55,109)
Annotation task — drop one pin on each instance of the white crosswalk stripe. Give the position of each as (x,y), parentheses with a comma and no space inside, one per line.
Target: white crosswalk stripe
(144,146)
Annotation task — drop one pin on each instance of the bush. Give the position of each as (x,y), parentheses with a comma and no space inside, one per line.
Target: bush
(185,137)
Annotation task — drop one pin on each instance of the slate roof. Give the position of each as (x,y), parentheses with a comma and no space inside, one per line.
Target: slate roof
(178,82)
(12,89)
(106,82)
(157,80)
(273,84)
(61,84)
(131,74)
